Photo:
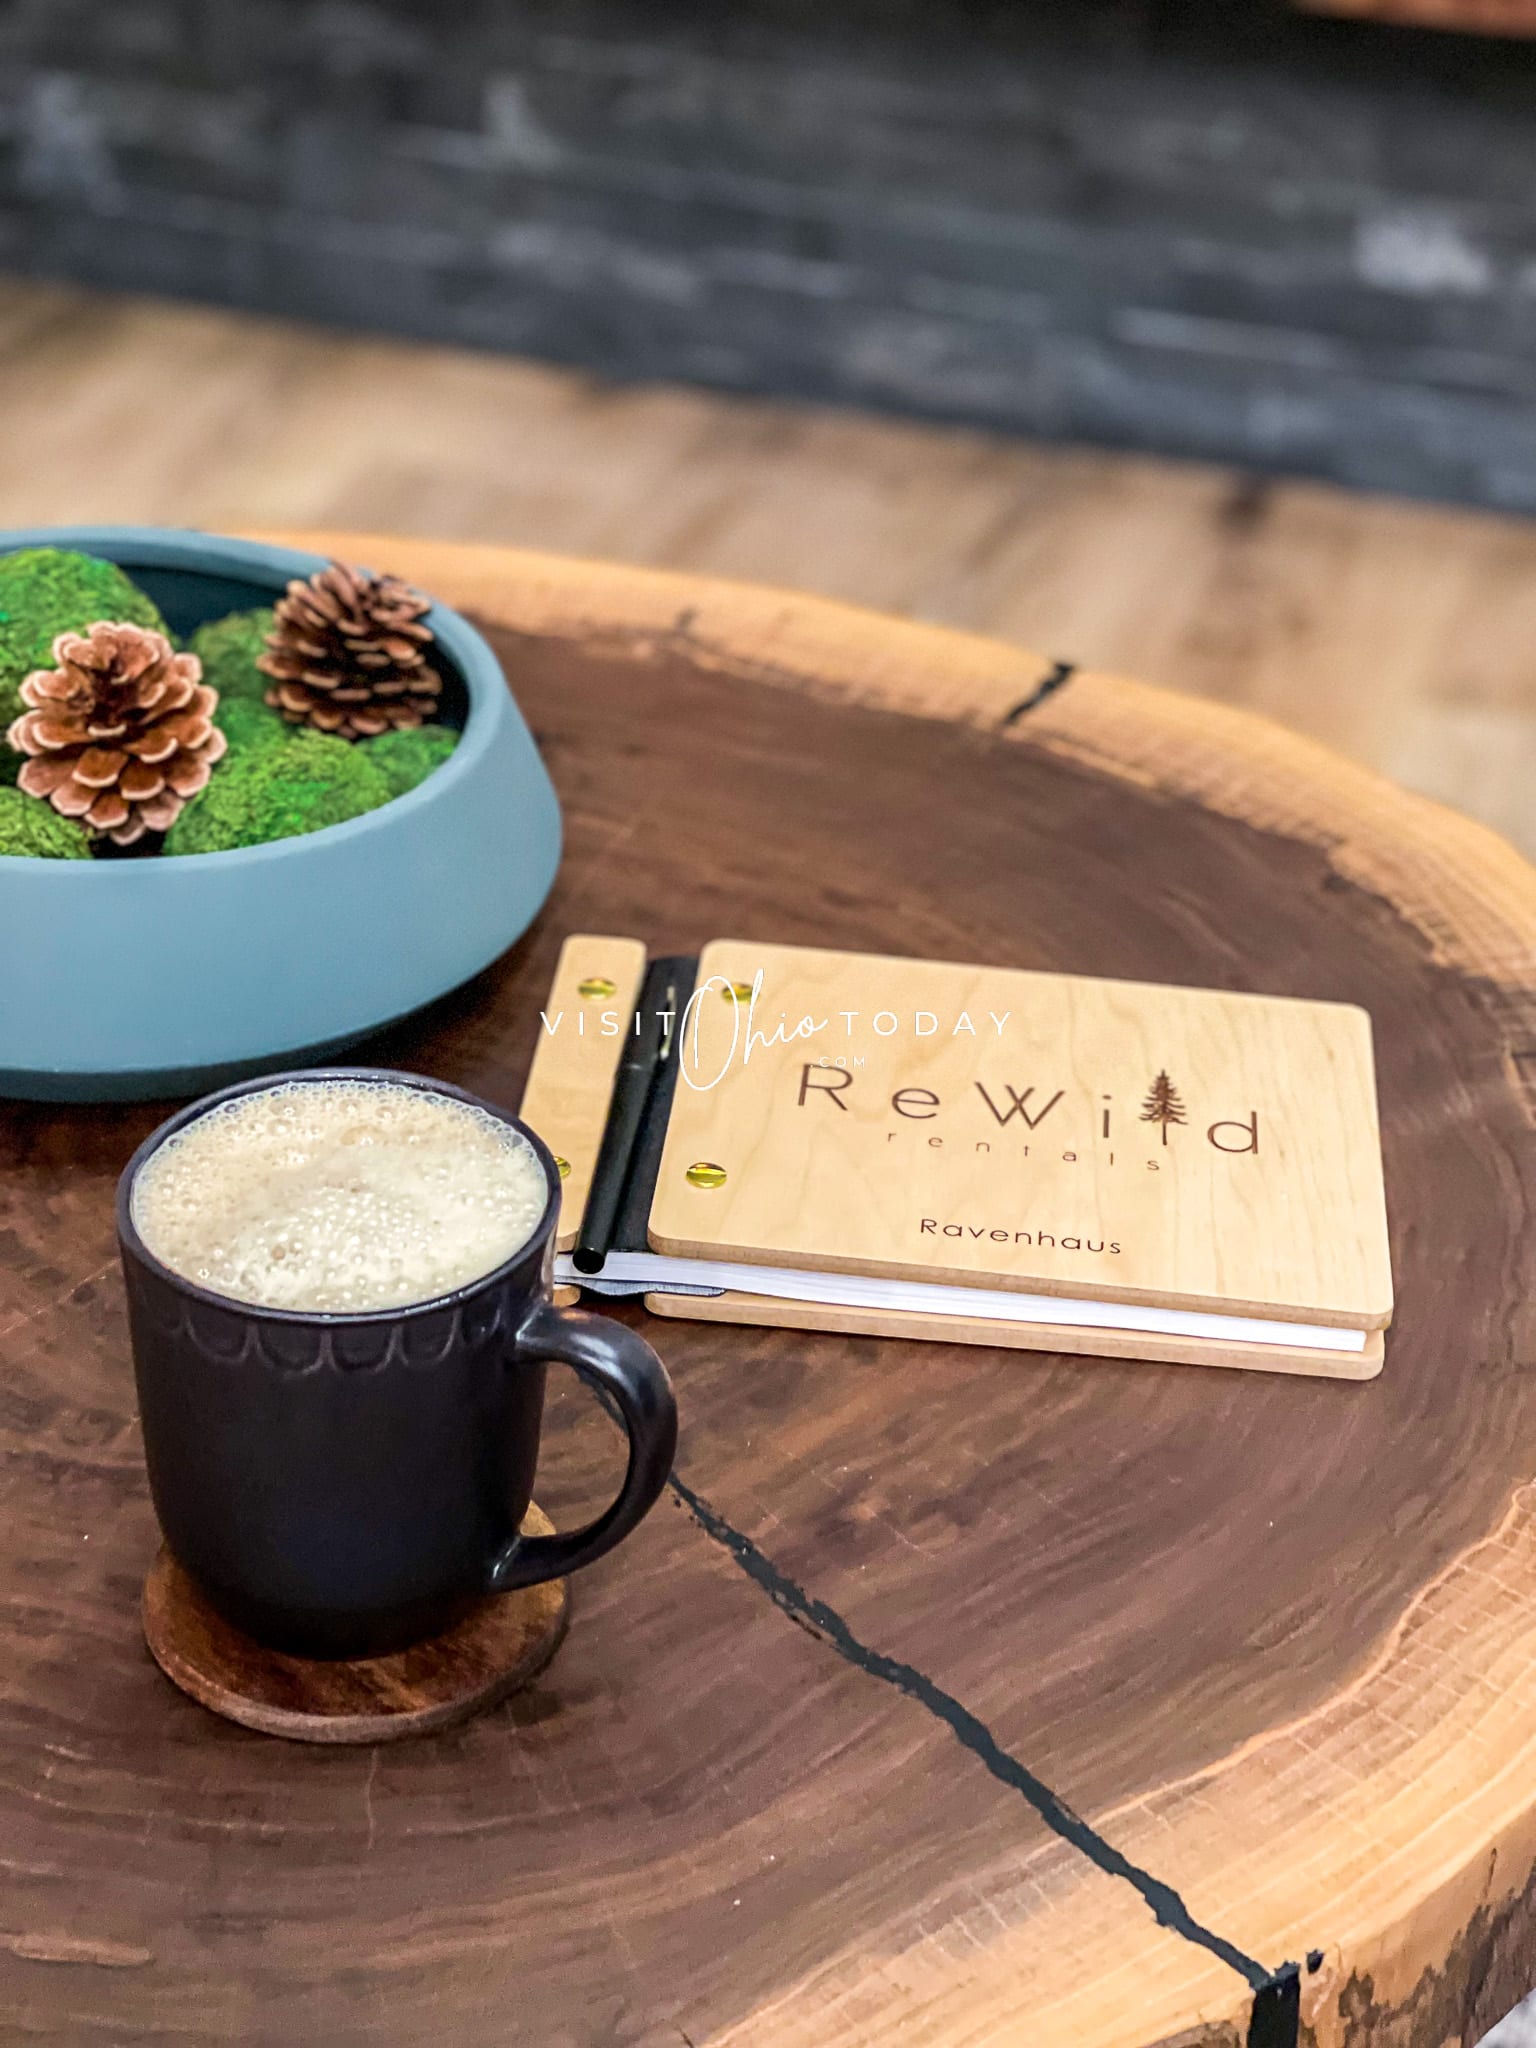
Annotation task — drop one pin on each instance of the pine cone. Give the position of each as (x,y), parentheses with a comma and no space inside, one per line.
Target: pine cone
(347,654)
(121,732)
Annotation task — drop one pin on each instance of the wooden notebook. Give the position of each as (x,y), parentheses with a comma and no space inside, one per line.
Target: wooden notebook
(776,1134)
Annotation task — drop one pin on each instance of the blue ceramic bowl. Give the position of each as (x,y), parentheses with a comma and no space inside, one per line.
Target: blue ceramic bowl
(133,978)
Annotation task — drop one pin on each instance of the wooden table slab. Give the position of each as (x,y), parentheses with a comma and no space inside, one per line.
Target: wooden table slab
(951,1697)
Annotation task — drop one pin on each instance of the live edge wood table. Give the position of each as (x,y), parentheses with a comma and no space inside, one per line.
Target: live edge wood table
(951,1697)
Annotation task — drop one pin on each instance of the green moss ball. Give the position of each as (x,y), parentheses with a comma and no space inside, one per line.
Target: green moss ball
(247,723)
(45,592)
(299,783)
(228,648)
(409,756)
(30,826)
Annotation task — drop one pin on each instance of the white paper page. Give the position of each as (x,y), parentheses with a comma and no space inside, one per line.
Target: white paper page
(922,1297)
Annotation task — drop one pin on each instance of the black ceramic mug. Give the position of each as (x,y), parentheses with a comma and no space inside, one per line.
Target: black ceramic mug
(341,1485)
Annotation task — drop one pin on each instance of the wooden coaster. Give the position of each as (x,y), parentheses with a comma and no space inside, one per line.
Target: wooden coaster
(490,1653)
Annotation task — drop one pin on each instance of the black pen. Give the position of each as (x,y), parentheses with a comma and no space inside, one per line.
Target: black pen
(646,1056)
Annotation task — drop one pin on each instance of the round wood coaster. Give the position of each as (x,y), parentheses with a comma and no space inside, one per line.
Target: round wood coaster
(490,1653)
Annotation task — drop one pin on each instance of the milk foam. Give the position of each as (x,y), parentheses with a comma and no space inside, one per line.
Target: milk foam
(339,1196)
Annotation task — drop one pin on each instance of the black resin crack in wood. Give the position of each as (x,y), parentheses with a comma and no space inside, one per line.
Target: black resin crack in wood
(1276,2018)
(1060,672)
(1161,1900)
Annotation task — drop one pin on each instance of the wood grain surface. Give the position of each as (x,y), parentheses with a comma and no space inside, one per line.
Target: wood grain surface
(498,1646)
(950,1698)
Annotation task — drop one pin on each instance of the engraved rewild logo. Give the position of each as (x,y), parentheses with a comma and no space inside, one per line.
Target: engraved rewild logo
(1163,1105)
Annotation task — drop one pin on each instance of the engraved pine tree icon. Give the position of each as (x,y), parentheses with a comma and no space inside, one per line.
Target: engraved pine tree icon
(1164,1105)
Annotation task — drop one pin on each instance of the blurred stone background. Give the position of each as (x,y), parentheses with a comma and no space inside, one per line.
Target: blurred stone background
(1217,228)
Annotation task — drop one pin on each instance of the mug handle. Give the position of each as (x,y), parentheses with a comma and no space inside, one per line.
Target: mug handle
(624,1372)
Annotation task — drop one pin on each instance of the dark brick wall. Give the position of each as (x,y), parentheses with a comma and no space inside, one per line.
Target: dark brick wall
(1210,227)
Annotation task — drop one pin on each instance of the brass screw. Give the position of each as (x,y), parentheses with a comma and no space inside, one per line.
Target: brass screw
(703,1174)
(597,985)
(562,1166)
(736,992)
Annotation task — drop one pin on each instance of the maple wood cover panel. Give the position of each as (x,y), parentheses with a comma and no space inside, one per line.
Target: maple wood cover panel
(983,1128)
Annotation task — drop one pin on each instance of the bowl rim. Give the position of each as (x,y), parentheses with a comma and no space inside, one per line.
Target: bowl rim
(191,550)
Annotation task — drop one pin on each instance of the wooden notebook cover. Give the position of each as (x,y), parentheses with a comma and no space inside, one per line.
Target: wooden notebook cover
(986,1127)
(1065,1339)
(570,1084)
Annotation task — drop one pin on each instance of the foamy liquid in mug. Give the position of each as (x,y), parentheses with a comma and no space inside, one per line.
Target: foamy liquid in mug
(339,1196)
